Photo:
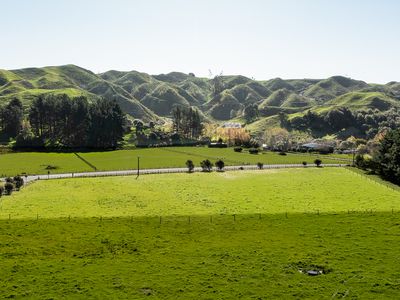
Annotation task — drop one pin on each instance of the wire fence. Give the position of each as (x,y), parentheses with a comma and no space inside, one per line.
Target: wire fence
(221,218)
(49,176)
(374,179)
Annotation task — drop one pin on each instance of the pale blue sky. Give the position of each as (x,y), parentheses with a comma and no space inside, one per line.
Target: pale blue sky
(260,39)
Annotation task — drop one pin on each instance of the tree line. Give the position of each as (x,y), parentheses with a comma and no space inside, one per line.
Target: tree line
(367,122)
(58,121)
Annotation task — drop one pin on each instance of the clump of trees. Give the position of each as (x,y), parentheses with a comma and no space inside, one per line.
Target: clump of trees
(187,122)
(11,184)
(231,136)
(59,121)
(367,122)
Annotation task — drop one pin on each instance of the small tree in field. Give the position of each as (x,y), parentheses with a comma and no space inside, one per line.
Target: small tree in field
(190,165)
(318,162)
(220,165)
(260,165)
(304,163)
(1,190)
(206,165)
(9,187)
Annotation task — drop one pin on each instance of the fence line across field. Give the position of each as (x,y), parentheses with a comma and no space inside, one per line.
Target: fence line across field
(191,219)
(31,178)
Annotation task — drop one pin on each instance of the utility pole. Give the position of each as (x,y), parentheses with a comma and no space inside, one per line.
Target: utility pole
(138,167)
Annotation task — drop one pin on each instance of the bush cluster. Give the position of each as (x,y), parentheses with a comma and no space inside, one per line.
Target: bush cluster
(11,184)
(253,151)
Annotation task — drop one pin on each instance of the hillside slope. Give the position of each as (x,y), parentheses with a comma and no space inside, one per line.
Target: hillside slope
(151,97)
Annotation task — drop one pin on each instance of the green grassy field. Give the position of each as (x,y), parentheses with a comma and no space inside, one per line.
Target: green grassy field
(36,163)
(115,245)
(248,259)
(240,192)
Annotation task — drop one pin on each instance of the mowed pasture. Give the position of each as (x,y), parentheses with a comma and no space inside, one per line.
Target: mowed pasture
(239,192)
(242,234)
(42,162)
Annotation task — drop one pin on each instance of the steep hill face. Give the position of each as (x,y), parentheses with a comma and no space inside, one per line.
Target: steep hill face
(150,97)
(332,87)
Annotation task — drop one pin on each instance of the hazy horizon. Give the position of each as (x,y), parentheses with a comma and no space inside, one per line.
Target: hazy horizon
(258,39)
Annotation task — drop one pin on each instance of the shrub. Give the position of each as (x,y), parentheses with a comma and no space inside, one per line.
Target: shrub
(190,165)
(9,187)
(282,153)
(206,165)
(304,163)
(10,180)
(252,143)
(318,162)
(1,190)
(220,165)
(18,182)
(253,151)
(360,162)
(238,149)
(260,165)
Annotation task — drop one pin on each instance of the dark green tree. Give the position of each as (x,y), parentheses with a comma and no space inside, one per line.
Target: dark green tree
(388,157)
(9,187)
(11,117)
(190,165)
(206,165)
(220,165)
(318,162)
(106,127)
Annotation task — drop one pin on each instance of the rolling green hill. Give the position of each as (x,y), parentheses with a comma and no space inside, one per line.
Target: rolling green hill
(152,97)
